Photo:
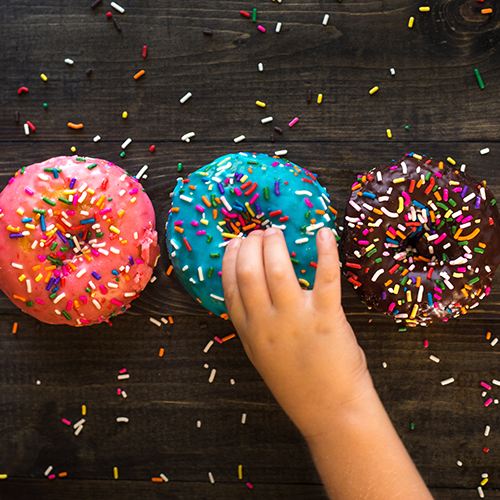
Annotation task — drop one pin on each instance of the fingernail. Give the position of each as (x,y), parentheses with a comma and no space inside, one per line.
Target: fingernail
(269,231)
(324,234)
(257,232)
(234,243)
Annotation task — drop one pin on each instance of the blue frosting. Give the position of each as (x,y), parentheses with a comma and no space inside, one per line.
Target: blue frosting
(247,191)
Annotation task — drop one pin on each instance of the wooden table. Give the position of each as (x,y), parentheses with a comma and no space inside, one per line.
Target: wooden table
(432,104)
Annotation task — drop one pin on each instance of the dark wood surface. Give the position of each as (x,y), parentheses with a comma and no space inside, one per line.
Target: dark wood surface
(434,92)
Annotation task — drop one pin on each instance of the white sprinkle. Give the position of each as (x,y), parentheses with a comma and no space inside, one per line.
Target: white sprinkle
(48,470)
(447,381)
(124,394)
(96,304)
(129,294)
(278,27)
(78,430)
(97,138)
(377,274)
(469,197)
(231,381)
(267,120)
(186,198)
(59,297)
(152,280)
(211,477)
(200,274)
(226,203)
(459,463)
(260,66)
(281,152)
(17,266)
(69,61)
(393,71)
(355,205)
(243,418)
(325,19)
(141,172)
(26,129)
(123,376)
(164,320)
(434,358)
(185,98)
(494,342)
(206,366)
(122,419)
(165,478)
(239,138)
(79,423)
(198,424)
(119,8)
(485,151)
(185,268)
(480,492)
(155,321)
(212,375)
(384,364)
(126,143)
(301,240)
(484,475)
(187,137)
(208,346)
(487,430)
(389,214)
(304,192)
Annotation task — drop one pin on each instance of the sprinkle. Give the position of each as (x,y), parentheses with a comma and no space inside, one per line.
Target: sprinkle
(165,478)
(451,160)
(139,74)
(487,430)
(22,89)
(486,11)
(185,98)
(123,376)
(155,321)
(320,98)
(260,104)
(66,421)
(69,61)
(75,126)
(261,28)
(243,418)
(144,51)
(389,133)
(278,27)
(373,90)
(494,342)
(488,402)
(14,327)
(410,22)
(239,138)
(377,274)
(325,19)
(212,375)
(122,419)
(187,137)
(210,475)
(484,151)
(260,67)
(26,129)
(126,143)
(424,9)
(254,15)
(293,122)
(115,472)
(48,470)
(479,79)
(97,138)
(447,381)
(434,358)
(208,346)
(117,7)
(266,120)
(281,152)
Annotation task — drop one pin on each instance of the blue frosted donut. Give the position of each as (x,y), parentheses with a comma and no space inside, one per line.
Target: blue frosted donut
(229,198)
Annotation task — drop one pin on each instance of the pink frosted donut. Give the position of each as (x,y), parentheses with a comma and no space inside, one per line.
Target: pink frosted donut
(79,240)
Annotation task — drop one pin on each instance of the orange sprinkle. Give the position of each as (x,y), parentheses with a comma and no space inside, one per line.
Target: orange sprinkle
(250,226)
(206,201)
(171,320)
(488,336)
(377,211)
(419,279)
(63,474)
(313,221)
(320,212)
(157,480)
(224,316)
(481,245)
(465,292)
(179,229)
(214,212)
(228,337)
(14,328)
(19,297)
(486,11)
(162,352)
(441,165)
(333,210)
(174,209)
(139,74)
(192,187)
(468,236)
(170,269)
(75,126)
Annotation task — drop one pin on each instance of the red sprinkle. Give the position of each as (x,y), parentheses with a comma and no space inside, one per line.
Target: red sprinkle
(108,14)
(152,148)
(244,14)
(22,89)
(144,51)
(188,246)
(30,125)
(104,183)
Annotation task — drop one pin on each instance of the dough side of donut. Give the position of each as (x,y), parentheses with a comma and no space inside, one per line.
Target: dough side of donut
(84,242)
(232,196)
(420,240)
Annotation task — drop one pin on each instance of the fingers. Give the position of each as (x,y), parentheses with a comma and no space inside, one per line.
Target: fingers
(232,296)
(326,291)
(281,279)
(250,274)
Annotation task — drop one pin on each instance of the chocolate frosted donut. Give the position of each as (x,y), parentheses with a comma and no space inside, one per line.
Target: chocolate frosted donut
(421,240)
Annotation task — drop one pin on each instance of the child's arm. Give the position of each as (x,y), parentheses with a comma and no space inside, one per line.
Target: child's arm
(305,350)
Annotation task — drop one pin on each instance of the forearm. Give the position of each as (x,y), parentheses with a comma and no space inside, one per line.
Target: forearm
(363,458)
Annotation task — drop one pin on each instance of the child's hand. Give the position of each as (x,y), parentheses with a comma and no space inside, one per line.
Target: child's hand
(299,340)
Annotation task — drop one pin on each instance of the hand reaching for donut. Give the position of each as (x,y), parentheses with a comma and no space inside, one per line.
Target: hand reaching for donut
(304,348)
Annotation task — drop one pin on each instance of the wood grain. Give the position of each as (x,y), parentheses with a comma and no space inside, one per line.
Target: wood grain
(434,92)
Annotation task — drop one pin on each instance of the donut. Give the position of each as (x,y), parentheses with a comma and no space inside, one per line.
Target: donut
(79,240)
(421,240)
(229,198)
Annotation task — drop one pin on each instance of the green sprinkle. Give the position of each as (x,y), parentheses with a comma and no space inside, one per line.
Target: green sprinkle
(440,204)
(402,329)
(214,255)
(22,170)
(45,105)
(30,303)
(307,214)
(53,295)
(53,246)
(117,280)
(428,176)
(210,271)
(39,210)
(452,202)
(378,260)
(209,239)
(440,284)
(479,79)
(88,290)
(412,425)
(441,224)
(63,249)
(51,170)
(304,227)
(463,243)
(122,154)
(407,127)
(478,250)
(66,315)
(64,200)
(266,193)
(252,162)
(445,257)
(212,199)
(50,202)
(371,252)
(404,280)
(99,235)
(295,261)
(254,15)
(81,159)
(179,167)
(474,280)
(110,199)
(493,202)
(92,165)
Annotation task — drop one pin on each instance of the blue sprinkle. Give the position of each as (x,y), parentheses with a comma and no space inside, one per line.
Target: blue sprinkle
(429,299)
(390,240)
(369,195)
(95,275)
(42,222)
(56,175)
(418,204)
(87,221)
(55,289)
(72,183)
(26,219)
(131,260)
(115,272)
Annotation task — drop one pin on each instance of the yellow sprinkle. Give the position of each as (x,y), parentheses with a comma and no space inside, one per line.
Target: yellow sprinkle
(84,410)
(124,114)
(39,277)
(401,205)
(389,133)
(20,211)
(133,200)
(250,211)
(304,282)
(396,289)
(229,235)
(204,221)
(451,160)
(424,9)
(73,149)
(69,191)
(398,180)
(115,472)
(114,229)
(458,275)
(90,191)
(121,213)
(484,481)
(30,226)
(369,247)
(260,104)
(418,157)
(414,311)
(43,77)
(410,22)
(3,476)
(320,98)
(240,471)
(408,295)
(244,178)
(124,242)
(373,90)
(22,278)
(101,200)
